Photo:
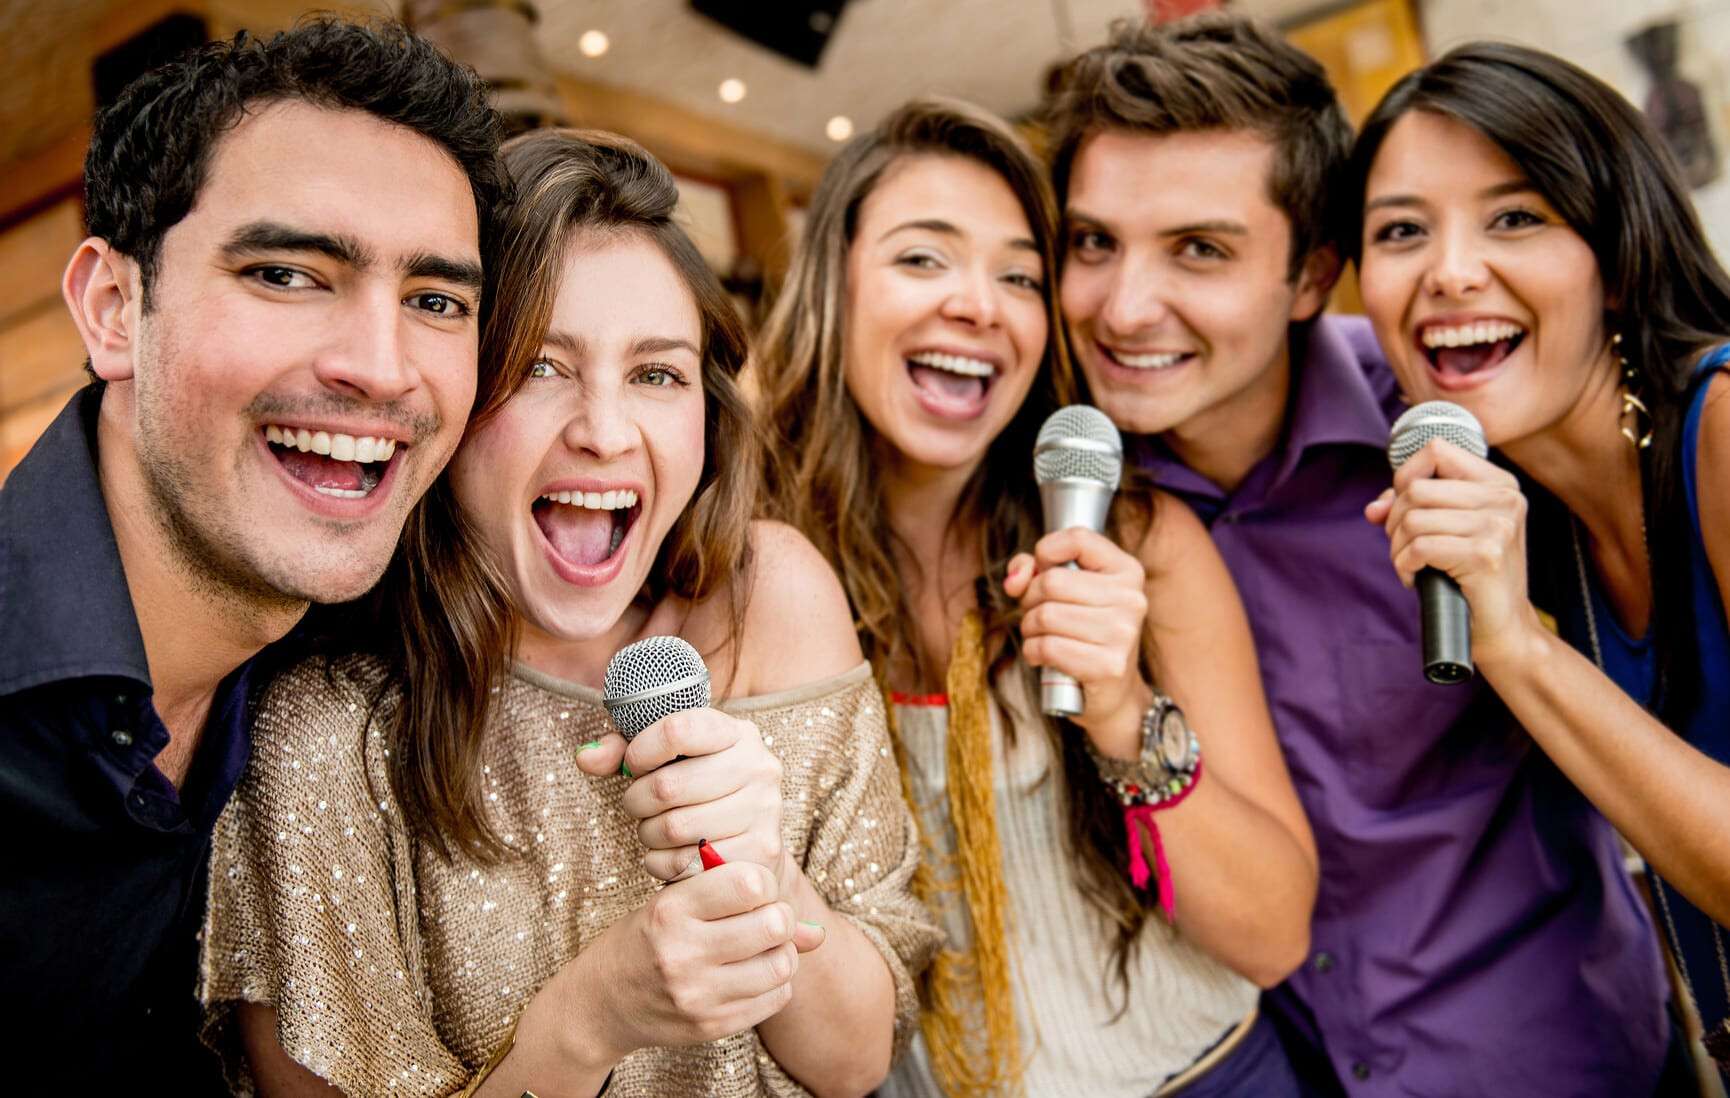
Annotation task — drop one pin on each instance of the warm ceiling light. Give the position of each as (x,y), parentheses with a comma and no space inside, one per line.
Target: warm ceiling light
(840,128)
(732,90)
(593,43)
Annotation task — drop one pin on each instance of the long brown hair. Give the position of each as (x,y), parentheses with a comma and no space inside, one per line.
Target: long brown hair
(820,470)
(445,619)
(1607,173)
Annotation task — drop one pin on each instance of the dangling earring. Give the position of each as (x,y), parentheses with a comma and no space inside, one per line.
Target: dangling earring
(1636,421)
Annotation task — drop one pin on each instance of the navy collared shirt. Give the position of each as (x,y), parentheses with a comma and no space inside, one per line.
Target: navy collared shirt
(103,861)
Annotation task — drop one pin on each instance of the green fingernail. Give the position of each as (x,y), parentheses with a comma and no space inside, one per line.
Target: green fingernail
(586,746)
(808,922)
(625,769)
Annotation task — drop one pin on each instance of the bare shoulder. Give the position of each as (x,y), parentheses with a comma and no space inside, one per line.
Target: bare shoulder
(1172,538)
(798,625)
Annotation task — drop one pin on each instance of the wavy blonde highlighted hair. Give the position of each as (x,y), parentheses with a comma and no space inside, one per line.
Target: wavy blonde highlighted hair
(821,481)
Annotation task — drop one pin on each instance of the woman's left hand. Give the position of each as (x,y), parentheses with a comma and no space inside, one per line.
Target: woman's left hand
(1087,622)
(1459,514)
(700,774)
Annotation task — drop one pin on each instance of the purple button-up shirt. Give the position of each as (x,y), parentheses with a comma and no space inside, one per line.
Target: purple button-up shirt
(1474,933)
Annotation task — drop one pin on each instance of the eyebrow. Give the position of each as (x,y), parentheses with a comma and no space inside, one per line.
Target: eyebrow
(938,225)
(1499,190)
(1215,225)
(443,268)
(262,237)
(578,347)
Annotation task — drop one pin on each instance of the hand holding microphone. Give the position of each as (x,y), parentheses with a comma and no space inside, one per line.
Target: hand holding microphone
(714,953)
(1456,527)
(699,774)
(1084,598)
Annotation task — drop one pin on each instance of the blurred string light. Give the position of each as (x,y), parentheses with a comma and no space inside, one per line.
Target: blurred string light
(732,90)
(593,43)
(840,128)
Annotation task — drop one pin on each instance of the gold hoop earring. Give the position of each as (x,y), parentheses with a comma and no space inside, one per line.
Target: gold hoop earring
(1635,421)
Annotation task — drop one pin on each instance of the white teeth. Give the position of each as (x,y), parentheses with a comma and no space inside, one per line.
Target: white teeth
(955,364)
(341,447)
(615,500)
(339,493)
(1157,361)
(1471,335)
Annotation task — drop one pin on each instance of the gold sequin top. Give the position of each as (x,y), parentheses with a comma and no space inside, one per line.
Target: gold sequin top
(395,972)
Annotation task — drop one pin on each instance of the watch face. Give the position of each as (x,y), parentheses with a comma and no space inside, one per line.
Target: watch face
(1173,738)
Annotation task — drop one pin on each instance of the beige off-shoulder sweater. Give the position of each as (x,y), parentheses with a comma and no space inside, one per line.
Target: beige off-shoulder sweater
(395,972)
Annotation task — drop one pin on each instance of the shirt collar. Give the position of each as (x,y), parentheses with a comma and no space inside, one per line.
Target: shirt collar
(69,610)
(1334,403)
(1342,395)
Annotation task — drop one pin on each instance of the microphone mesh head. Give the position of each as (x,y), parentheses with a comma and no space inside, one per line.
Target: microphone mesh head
(1078,441)
(652,678)
(1434,419)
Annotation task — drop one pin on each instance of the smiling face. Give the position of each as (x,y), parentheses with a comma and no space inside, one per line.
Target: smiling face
(576,481)
(1479,291)
(1175,281)
(945,320)
(308,360)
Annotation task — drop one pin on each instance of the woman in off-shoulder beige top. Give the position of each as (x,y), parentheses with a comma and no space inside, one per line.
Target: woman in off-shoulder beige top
(443,873)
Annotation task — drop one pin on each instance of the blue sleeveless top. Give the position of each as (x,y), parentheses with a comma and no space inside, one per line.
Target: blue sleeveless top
(1632,664)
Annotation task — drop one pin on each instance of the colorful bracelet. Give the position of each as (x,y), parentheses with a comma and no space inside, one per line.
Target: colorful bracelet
(1138,868)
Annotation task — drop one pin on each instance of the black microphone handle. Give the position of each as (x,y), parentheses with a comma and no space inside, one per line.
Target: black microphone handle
(1447,625)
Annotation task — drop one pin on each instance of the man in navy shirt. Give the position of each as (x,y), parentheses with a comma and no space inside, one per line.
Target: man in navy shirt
(280,300)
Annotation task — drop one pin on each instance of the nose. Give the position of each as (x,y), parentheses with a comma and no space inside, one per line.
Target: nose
(1458,268)
(1135,299)
(366,357)
(600,426)
(973,299)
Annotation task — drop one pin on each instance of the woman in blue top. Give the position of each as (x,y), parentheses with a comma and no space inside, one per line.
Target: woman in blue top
(1528,252)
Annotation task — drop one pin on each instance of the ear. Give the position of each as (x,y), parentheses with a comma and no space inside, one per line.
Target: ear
(1315,282)
(104,292)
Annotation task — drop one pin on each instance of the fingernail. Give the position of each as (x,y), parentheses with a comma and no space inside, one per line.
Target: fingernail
(625,769)
(586,746)
(807,922)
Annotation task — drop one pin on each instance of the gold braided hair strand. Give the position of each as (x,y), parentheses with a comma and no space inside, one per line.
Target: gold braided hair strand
(966,986)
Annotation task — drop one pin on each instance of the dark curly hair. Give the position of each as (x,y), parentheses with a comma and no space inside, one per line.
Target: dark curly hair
(150,149)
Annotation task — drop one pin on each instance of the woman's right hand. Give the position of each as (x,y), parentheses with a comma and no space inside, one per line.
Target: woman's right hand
(706,958)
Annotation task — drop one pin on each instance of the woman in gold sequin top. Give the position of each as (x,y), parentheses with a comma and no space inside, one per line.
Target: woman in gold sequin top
(909,366)
(443,873)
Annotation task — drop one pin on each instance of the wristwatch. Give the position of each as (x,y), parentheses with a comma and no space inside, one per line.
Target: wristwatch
(1170,754)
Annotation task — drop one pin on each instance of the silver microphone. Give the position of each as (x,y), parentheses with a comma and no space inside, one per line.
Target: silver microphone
(1445,615)
(1077,460)
(651,679)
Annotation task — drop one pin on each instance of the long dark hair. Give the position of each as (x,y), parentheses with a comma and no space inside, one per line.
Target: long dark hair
(820,470)
(443,614)
(1595,159)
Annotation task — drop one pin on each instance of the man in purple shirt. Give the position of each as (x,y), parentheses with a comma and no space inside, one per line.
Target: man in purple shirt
(1474,933)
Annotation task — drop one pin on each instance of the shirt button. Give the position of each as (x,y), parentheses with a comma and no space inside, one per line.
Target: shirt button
(1324,961)
(1360,1071)
(121,737)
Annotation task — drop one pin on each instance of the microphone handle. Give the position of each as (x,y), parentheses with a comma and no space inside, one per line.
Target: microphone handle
(1059,694)
(1447,626)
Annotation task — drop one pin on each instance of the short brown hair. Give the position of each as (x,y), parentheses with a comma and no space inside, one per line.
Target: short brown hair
(1212,71)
